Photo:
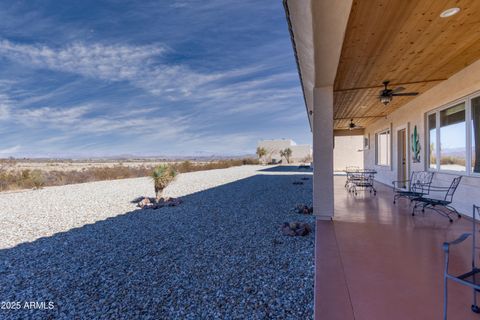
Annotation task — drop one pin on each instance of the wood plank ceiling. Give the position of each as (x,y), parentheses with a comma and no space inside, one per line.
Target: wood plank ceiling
(406,42)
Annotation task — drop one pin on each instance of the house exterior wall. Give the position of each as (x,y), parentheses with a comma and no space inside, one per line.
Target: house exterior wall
(301,152)
(463,83)
(273,147)
(347,152)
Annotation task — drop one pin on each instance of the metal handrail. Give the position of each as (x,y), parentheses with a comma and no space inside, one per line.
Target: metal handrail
(474,270)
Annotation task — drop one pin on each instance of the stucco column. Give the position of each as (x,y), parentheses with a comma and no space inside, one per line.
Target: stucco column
(322,126)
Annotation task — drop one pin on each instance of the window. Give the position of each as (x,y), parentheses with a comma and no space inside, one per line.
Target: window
(475,135)
(432,136)
(382,146)
(453,138)
(453,135)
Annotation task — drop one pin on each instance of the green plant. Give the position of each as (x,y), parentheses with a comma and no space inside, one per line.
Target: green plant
(36,179)
(261,152)
(287,153)
(11,179)
(162,175)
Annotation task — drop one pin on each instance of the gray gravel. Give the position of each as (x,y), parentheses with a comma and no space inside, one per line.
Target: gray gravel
(219,255)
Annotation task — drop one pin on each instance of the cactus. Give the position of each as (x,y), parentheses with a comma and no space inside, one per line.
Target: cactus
(415,146)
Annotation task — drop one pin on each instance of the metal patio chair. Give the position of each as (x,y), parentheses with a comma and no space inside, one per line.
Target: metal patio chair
(361,179)
(434,203)
(352,174)
(471,278)
(417,186)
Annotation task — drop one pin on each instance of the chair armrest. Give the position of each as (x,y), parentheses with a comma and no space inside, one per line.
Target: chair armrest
(463,237)
(435,188)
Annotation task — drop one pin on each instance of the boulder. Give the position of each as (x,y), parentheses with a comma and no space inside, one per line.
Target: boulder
(296,229)
(144,202)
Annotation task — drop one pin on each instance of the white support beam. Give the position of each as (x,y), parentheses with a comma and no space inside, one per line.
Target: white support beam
(323,196)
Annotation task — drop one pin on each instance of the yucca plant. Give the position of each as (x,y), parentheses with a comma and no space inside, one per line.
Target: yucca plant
(162,175)
(261,152)
(287,153)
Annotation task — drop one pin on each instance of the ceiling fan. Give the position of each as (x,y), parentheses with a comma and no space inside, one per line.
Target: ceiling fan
(386,95)
(353,126)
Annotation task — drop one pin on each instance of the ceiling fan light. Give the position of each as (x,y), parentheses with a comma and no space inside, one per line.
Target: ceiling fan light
(385,99)
(449,12)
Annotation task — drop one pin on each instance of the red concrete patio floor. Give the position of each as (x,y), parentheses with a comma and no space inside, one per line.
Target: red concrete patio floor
(375,261)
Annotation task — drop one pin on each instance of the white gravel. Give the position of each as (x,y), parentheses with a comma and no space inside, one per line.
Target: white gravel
(87,249)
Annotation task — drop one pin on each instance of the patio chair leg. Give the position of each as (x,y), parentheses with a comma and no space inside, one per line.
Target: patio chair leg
(442,213)
(475,308)
(423,207)
(445,296)
(453,210)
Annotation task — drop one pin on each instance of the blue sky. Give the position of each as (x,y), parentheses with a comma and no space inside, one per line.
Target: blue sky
(109,77)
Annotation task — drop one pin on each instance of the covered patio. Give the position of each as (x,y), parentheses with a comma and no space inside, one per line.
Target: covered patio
(373,259)
(376,261)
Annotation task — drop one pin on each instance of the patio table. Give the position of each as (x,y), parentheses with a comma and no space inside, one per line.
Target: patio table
(360,179)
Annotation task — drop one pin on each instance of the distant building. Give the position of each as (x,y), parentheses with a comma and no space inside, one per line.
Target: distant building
(348,152)
(300,152)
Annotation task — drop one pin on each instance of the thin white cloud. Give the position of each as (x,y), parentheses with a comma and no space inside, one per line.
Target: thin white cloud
(10,151)
(51,115)
(76,120)
(108,62)
(180,4)
(140,65)
(4,106)
(4,112)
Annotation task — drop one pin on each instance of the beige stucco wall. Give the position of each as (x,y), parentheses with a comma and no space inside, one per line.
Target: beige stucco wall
(300,152)
(273,147)
(459,85)
(347,152)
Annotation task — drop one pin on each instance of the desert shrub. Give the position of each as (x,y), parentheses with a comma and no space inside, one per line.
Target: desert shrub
(185,166)
(446,160)
(307,159)
(36,179)
(26,179)
(250,161)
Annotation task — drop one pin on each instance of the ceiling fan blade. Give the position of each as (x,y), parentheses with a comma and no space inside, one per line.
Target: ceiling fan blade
(405,94)
(398,89)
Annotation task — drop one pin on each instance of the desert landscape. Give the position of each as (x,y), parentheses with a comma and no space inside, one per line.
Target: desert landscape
(21,174)
(221,251)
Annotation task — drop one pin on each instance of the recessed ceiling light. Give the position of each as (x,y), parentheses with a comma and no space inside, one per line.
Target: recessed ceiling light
(449,12)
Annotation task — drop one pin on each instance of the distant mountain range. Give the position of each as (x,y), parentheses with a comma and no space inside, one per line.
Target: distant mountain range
(130,157)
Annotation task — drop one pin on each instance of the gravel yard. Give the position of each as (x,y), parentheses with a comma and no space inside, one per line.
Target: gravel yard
(220,254)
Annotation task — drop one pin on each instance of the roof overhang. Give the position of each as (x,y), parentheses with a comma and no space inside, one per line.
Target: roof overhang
(355,45)
(317,57)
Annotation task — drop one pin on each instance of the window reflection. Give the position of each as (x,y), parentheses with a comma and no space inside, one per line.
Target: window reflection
(432,129)
(383,148)
(476,135)
(453,138)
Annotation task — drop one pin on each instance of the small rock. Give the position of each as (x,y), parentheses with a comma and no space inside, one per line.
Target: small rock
(144,202)
(304,209)
(296,229)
